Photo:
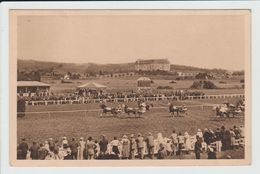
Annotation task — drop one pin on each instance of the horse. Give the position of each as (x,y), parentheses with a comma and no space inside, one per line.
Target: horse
(180,110)
(106,110)
(135,111)
(227,110)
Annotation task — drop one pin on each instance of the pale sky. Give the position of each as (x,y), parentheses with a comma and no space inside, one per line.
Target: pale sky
(207,41)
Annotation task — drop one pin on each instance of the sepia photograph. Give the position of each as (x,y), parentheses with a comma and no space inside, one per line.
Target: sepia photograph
(130,87)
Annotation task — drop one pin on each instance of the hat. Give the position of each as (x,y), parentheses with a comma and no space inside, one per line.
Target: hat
(64,138)
(50,139)
(125,136)
(149,133)
(199,130)
(132,136)
(81,138)
(139,134)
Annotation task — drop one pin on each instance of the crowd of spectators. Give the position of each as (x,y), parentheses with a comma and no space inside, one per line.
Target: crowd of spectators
(135,147)
(89,96)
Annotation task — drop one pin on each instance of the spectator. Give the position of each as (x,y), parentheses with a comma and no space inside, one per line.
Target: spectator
(42,152)
(206,136)
(199,134)
(81,148)
(46,146)
(90,148)
(132,146)
(168,147)
(140,145)
(232,139)
(64,141)
(161,152)
(34,150)
(174,138)
(242,131)
(125,147)
(187,142)
(103,145)
(96,149)
(115,144)
(19,153)
(218,140)
(150,145)
(24,148)
(51,145)
(211,153)
(197,148)
(74,148)
(180,143)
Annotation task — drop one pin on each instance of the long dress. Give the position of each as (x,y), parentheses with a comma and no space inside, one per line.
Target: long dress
(125,148)
(81,150)
(187,142)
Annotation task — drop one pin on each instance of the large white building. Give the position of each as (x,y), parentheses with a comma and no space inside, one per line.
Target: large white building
(152,65)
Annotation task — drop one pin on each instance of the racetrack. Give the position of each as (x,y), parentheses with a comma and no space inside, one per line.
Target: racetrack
(39,127)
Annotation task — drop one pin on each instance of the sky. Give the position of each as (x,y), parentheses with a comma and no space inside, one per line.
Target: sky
(206,41)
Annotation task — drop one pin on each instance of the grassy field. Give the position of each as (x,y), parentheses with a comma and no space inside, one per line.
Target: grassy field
(39,127)
(129,83)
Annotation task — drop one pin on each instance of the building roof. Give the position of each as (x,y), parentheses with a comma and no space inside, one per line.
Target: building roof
(31,84)
(92,85)
(144,79)
(153,61)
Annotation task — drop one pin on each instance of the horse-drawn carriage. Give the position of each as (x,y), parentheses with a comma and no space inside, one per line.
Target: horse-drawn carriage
(229,110)
(124,110)
(179,110)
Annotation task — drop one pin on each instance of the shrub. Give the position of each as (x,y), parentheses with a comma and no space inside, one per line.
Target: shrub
(203,85)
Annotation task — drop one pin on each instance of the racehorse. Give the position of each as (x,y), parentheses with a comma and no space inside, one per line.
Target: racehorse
(110,110)
(180,110)
(227,110)
(135,111)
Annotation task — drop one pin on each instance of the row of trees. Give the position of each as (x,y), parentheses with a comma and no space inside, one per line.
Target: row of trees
(29,76)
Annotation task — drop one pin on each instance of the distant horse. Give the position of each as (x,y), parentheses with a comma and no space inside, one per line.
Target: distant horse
(180,110)
(135,111)
(227,110)
(106,109)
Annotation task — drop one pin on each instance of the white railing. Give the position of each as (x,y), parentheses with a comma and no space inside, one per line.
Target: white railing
(115,100)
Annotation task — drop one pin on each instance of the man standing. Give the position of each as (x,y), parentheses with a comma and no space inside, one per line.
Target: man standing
(218,140)
(34,151)
(198,147)
(150,145)
(74,148)
(24,148)
(132,146)
(103,145)
(140,145)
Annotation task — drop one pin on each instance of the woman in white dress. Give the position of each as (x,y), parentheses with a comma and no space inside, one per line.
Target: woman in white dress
(81,148)
(187,142)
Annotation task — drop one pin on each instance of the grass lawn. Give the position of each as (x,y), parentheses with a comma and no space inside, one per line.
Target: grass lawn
(40,127)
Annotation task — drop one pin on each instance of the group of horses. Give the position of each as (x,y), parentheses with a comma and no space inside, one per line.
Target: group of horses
(137,112)
(230,110)
(124,109)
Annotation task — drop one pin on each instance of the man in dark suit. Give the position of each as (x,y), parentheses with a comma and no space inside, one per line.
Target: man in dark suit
(198,147)
(24,148)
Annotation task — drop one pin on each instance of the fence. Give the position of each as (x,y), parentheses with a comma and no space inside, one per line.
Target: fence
(115,100)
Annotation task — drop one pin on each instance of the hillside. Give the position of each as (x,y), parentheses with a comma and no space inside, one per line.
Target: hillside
(62,68)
